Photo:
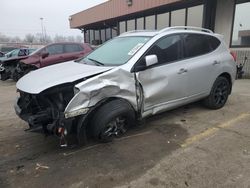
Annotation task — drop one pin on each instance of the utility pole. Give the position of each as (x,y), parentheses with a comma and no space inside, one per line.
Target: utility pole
(42,30)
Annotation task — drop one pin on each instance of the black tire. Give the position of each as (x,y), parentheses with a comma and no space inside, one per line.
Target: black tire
(219,94)
(15,76)
(112,119)
(4,76)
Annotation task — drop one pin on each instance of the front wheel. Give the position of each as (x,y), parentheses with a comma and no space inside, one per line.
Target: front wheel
(112,120)
(219,94)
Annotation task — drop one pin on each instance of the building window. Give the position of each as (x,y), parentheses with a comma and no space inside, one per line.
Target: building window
(91,36)
(108,34)
(131,25)
(241,26)
(97,35)
(150,22)
(103,35)
(178,17)
(162,20)
(114,33)
(86,37)
(140,23)
(122,27)
(195,16)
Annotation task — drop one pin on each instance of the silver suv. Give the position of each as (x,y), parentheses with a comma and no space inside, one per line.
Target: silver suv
(135,75)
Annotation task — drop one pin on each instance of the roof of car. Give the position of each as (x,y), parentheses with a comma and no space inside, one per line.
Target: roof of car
(151,33)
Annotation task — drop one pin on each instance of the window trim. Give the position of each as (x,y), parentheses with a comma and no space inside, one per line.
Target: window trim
(157,65)
(181,53)
(232,26)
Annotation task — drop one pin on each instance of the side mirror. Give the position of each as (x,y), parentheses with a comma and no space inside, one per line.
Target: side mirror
(145,62)
(151,60)
(44,54)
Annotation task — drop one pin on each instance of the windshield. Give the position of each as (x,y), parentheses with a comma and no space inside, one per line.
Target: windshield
(117,51)
(12,53)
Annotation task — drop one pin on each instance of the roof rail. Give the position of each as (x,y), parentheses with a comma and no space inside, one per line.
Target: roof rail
(132,31)
(137,31)
(186,27)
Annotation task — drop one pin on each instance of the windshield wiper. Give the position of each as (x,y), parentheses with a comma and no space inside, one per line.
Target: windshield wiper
(97,62)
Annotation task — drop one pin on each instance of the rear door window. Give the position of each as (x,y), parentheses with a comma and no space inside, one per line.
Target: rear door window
(198,44)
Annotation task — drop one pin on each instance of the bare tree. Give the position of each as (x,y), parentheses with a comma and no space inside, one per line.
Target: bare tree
(39,38)
(59,38)
(29,38)
(79,38)
(48,39)
(4,38)
(71,39)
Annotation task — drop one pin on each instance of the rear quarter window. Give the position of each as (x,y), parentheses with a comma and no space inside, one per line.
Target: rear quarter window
(69,48)
(198,44)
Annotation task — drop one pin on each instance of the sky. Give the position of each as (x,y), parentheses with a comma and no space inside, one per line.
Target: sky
(20,17)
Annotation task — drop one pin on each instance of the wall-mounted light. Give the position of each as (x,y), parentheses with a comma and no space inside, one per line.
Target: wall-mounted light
(129,2)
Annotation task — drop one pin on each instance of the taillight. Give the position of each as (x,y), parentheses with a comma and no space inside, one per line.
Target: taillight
(233,54)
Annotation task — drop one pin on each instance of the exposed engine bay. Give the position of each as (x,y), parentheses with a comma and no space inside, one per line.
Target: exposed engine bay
(45,111)
(14,69)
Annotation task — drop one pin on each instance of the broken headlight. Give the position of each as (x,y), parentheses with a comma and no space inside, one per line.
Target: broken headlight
(76,90)
(76,112)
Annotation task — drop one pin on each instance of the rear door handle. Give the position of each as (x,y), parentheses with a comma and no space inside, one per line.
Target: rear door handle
(182,70)
(216,62)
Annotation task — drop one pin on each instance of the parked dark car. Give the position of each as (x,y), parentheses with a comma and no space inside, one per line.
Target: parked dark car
(48,55)
(17,53)
(1,54)
(6,49)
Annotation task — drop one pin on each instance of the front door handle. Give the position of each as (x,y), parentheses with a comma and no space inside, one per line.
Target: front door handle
(216,62)
(182,70)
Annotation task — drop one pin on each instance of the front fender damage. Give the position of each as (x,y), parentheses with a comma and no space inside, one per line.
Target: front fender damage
(116,83)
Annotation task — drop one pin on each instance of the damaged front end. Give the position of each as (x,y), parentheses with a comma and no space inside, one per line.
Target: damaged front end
(14,69)
(45,111)
(7,69)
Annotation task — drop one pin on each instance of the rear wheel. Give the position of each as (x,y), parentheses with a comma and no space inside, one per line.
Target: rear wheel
(219,94)
(112,120)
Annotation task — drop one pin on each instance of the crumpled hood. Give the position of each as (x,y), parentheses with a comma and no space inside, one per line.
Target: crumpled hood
(42,79)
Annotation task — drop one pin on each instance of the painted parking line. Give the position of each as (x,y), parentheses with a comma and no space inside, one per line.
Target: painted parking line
(118,139)
(134,135)
(83,149)
(213,130)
